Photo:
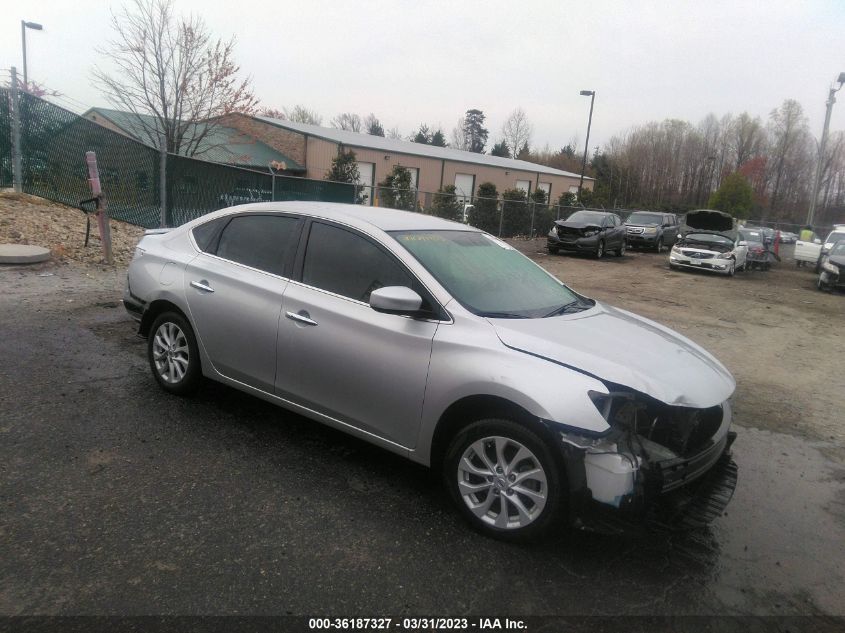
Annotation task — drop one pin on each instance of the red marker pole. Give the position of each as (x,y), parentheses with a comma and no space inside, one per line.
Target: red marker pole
(102,207)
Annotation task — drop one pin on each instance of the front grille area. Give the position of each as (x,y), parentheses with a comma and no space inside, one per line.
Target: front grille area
(634,230)
(696,254)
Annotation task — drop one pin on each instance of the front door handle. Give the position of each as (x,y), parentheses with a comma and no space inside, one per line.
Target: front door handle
(300,318)
(202,285)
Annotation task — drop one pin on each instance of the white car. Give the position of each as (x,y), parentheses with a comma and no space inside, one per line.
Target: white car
(711,251)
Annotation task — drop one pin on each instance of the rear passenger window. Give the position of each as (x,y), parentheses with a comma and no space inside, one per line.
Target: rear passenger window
(259,241)
(204,234)
(342,262)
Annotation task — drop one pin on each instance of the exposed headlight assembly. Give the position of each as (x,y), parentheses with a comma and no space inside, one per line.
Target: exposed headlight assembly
(827,266)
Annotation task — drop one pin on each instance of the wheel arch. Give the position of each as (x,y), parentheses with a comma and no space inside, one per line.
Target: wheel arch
(470,409)
(154,309)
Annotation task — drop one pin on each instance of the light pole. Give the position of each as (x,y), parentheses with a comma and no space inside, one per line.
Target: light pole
(831,99)
(24,26)
(592,95)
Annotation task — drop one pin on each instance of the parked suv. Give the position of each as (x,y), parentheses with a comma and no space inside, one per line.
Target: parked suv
(650,229)
(595,232)
(445,345)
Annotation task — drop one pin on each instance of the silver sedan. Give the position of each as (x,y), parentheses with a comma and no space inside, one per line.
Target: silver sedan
(445,345)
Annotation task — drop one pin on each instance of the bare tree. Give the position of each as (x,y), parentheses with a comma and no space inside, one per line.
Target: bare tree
(788,130)
(347,121)
(174,76)
(460,138)
(395,134)
(301,114)
(517,130)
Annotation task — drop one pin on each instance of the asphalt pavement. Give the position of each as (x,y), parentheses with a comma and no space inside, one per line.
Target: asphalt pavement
(116,498)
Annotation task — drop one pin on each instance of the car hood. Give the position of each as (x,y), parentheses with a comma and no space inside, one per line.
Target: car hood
(620,347)
(839,260)
(577,225)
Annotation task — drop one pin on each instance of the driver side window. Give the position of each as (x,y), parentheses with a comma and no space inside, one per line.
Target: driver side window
(349,265)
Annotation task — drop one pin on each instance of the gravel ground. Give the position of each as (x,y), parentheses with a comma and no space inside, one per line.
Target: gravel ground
(116,498)
(26,219)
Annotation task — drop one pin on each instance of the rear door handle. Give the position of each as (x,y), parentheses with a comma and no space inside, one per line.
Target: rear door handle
(202,285)
(300,318)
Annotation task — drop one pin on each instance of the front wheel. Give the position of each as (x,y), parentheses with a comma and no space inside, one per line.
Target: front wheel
(600,249)
(660,244)
(732,268)
(621,250)
(504,479)
(553,250)
(173,354)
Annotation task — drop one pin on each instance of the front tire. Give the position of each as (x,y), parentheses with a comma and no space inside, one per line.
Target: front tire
(553,250)
(504,479)
(732,269)
(173,354)
(660,244)
(621,250)
(600,249)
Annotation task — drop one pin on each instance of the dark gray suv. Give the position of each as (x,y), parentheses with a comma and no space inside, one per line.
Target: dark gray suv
(651,229)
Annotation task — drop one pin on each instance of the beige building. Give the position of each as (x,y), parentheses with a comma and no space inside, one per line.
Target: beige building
(431,167)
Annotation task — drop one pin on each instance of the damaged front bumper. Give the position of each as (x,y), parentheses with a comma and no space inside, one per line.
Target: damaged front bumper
(627,479)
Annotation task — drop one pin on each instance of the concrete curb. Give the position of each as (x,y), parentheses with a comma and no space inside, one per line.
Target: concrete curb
(23,254)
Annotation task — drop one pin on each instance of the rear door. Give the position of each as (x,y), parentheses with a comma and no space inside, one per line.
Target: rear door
(342,358)
(234,290)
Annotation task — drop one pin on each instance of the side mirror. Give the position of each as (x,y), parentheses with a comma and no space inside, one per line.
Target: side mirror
(395,300)
(817,241)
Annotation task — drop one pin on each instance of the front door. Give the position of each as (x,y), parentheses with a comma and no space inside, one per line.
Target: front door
(340,357)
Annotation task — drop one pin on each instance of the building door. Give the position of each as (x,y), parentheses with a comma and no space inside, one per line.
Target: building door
(465,186)
(366,174)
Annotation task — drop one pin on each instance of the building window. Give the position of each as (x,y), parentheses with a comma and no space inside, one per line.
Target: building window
(366,177)
(525,185)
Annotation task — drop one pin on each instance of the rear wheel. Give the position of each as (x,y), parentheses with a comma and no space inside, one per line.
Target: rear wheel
(621,250)
(504,479)
(173,354)
(600,249)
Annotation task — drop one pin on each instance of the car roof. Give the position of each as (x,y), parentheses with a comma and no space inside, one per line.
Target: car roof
(357,215)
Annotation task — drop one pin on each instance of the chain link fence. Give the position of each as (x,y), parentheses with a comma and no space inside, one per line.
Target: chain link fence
(53,144)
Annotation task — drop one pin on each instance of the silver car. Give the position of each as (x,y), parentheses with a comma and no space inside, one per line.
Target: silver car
(443,344)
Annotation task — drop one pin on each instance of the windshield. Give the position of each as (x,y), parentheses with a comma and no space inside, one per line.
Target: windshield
(645,218)
(592,217)
(835,237)
(708,238)
(489,277)
(838,248)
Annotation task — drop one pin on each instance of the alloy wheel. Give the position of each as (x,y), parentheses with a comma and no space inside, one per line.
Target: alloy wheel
(502,482)
(171,353)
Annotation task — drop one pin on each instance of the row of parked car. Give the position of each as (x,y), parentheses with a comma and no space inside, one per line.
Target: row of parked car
(703,239)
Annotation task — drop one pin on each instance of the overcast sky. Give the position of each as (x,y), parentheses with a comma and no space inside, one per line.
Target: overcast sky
(415,61)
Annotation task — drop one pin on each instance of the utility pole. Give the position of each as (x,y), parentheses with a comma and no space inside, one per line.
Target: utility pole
(24,26)
(831,99)
(592,95)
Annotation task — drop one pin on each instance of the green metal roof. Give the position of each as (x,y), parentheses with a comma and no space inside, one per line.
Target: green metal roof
(222,144)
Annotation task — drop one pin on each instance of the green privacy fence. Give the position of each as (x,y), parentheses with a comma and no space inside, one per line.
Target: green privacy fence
(53,146)
(5,139)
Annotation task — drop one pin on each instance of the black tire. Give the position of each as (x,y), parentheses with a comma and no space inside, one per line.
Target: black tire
(183,354)
(599,249)
(732,268)
(553,250)
(660,244)
(621,250)
(454,472)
